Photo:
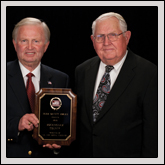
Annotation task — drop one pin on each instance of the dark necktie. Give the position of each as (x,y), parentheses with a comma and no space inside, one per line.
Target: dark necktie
(30,91)
(102,92)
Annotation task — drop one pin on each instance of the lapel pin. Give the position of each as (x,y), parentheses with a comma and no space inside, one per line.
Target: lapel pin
(49,82)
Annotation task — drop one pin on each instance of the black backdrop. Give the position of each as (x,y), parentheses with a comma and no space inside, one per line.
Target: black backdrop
(70,27)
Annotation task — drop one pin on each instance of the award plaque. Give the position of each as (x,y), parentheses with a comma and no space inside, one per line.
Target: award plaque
(56,109)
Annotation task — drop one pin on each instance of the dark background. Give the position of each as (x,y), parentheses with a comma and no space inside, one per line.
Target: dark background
(70,28)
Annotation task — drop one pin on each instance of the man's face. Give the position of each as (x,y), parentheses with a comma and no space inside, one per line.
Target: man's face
(110,52)
(30,45)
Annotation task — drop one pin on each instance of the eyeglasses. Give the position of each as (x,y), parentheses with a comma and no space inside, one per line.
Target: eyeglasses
(111,37)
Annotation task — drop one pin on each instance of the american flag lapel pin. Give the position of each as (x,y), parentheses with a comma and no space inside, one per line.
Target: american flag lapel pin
(49,82)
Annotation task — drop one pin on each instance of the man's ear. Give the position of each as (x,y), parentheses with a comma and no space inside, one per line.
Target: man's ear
(127,36)
(92,38)
(46,46)
(14,43)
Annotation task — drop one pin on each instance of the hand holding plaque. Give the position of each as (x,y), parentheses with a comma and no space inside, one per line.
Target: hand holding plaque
(56,110)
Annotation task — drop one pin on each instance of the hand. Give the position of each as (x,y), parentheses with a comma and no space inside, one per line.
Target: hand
(28,121)
(53,146)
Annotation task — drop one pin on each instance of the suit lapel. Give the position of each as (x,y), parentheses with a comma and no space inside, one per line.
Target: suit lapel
(16,82)
(90,78)
(45,80)
(124,78)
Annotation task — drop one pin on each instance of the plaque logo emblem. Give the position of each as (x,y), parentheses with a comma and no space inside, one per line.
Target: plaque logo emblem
(55,103)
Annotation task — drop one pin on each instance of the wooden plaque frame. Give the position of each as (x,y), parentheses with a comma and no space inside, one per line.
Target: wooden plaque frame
(56,109)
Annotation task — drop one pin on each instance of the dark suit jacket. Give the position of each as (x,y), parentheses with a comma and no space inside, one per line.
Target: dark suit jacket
(18,105)
(127,124)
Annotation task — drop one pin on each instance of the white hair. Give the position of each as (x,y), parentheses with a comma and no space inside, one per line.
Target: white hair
(122,22)
(31,21)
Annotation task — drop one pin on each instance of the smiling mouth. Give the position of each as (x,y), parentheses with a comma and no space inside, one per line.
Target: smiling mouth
(30,53)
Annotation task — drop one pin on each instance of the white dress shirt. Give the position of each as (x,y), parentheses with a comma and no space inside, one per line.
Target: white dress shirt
(35,78)
(113,74)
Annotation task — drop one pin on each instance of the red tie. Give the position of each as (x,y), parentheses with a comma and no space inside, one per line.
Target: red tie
(30,91)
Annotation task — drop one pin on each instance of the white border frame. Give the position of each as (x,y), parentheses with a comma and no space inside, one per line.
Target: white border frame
(160,159)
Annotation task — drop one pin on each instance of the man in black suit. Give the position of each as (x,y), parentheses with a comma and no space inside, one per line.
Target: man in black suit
(119,117)
(31,39)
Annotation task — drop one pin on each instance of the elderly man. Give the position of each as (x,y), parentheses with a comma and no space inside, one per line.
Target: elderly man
(117,96)
(31,40)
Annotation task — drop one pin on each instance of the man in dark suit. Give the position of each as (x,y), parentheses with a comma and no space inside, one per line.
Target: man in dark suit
(119,117)
(31,39)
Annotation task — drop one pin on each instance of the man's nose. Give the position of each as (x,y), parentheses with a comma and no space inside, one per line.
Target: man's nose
(106,40)
(30,46)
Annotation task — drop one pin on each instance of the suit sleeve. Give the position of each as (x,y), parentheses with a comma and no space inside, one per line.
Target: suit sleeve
(13,116)
(150,119)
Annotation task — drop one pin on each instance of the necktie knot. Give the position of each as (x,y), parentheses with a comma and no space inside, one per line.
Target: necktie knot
(29,75)
(108,68)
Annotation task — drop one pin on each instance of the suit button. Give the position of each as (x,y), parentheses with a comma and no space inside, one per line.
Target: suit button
(29,152)
(8,140)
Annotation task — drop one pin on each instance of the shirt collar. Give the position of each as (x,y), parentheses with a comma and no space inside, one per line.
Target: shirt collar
(117,65)
(25,71)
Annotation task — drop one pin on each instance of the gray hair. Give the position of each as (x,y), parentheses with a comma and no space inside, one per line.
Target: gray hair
(122,22)
(31,21)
